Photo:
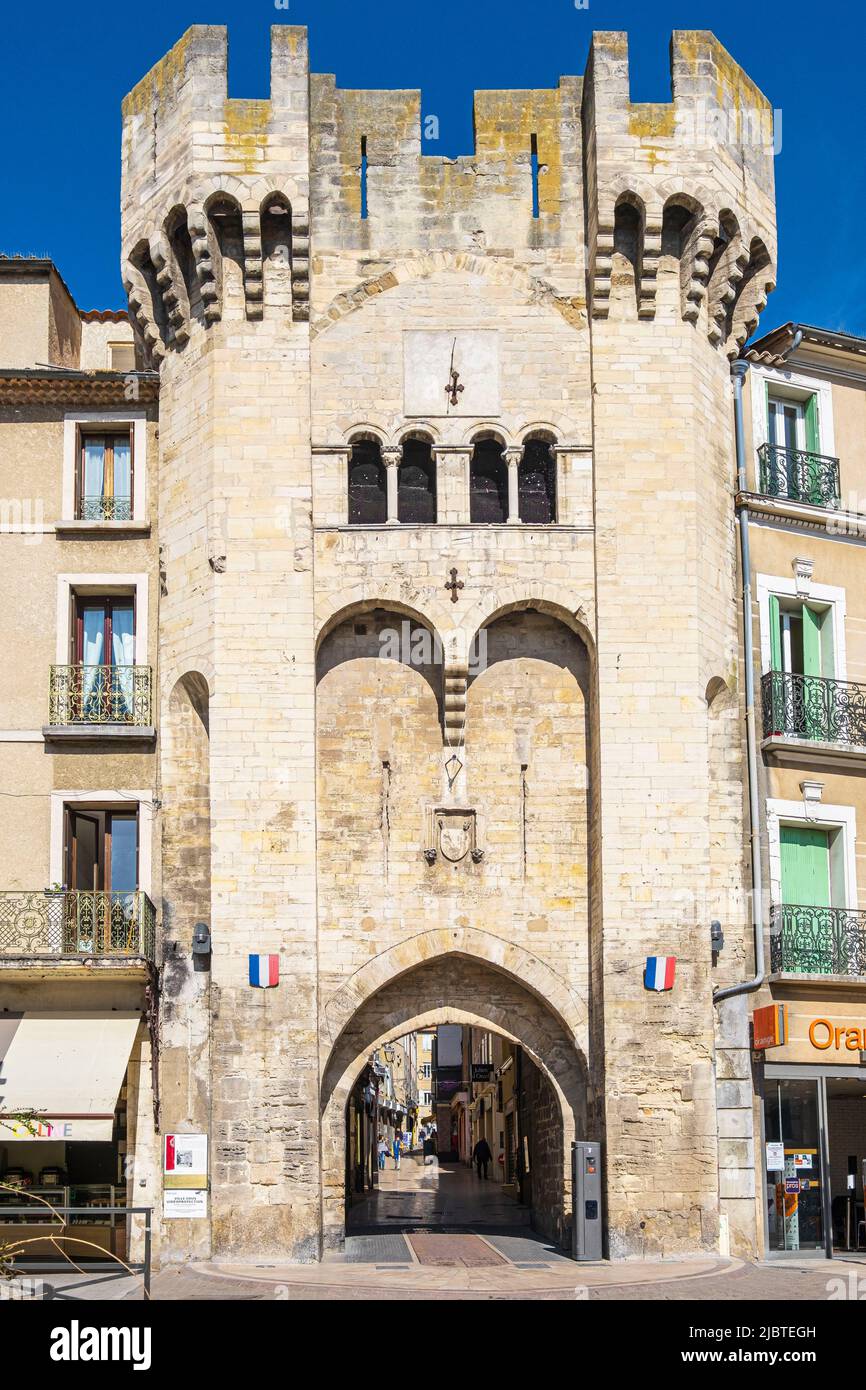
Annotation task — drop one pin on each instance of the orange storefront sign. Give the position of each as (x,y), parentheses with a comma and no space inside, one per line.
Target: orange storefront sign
(824,1034)
(770,1026)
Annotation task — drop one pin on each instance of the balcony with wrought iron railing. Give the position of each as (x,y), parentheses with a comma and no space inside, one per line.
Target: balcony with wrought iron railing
(99,508)
(808,940)
(829,714)
(53,923)
(96,700)
(796,475)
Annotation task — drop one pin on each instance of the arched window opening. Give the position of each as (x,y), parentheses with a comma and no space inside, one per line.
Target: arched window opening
(225,219)
(276,222)
(416,483)
(368,495)
(536,483)
(676,261)
(674,223)
(181,249)
(625,273)
(488,483)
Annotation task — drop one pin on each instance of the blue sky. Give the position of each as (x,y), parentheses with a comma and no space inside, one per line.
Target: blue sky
(65,69)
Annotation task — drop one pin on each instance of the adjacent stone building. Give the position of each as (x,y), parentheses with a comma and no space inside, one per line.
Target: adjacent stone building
(443,619)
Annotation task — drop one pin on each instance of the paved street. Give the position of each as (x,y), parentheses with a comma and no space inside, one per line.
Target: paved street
(446,1196)
(442,1233)
(517,1278)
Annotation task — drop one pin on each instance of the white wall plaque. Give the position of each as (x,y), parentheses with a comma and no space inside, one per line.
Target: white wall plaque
(454,373)
(186,1203)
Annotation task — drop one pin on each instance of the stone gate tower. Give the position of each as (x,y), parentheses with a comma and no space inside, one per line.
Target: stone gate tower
(505,844)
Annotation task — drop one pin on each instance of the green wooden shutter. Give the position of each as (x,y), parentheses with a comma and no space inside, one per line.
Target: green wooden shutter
(812,472)
(805,865)
(808,937)
(813,440)
(811,641)
(814,692)
(775,687)
(775,635)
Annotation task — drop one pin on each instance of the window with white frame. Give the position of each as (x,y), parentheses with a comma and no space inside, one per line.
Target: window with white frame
(102,840)
(813,888)
(104,467)
(792,422)
(104,476)
(802,632)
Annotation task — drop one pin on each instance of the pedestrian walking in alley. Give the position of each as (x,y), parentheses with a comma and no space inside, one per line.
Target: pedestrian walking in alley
(382,1149)
(481,1156)
(397,1151)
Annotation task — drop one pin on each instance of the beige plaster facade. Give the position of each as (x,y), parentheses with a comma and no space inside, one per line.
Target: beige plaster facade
(806,537)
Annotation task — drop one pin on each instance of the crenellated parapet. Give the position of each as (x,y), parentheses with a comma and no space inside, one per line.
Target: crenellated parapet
(688,182)
(215,195)
(615,197)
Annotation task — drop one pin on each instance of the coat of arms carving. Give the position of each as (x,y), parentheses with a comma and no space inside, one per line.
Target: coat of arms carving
(451,832)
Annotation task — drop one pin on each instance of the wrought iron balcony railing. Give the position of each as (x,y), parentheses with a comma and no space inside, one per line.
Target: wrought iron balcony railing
(799,476)
(811,707)
(817,940)
(105,509)
(100,695)
(66,923)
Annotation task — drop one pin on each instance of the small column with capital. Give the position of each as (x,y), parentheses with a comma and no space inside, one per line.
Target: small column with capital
(392,456)
(512,457)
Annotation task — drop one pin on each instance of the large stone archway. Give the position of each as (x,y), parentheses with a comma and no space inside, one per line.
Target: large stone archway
(453,987)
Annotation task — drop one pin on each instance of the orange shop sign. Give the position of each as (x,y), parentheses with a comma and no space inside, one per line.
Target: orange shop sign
(825,1035)
(770,1027)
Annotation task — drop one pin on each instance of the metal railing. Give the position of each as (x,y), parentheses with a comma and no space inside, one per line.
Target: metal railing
(812,707)
(817,940)
(32,1219)
(67,923)
(100,695)
(105,509)
(799,476)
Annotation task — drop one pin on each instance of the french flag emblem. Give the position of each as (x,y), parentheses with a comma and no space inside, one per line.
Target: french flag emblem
(264,971)
(659,973)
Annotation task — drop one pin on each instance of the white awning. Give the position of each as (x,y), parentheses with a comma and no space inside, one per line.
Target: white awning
(68,1068)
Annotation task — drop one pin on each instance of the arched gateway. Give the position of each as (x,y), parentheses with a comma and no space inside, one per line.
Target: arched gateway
(455,985)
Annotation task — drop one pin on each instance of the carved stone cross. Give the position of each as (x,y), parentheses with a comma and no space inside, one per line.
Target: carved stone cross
(452,388)
(454,584)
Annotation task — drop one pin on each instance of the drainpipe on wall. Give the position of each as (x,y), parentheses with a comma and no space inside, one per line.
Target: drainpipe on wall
(738,373)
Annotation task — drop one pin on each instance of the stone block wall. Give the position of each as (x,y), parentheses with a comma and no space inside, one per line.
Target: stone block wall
(588,760)
(541,1122)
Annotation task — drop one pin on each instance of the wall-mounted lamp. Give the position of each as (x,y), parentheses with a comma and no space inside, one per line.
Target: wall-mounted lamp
(201,944)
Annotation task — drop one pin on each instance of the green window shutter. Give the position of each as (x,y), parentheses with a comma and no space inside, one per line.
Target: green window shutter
(828,650)
(814,692)
(805,865)
(811,641)
(813,439)
(775,635)
(812,475)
